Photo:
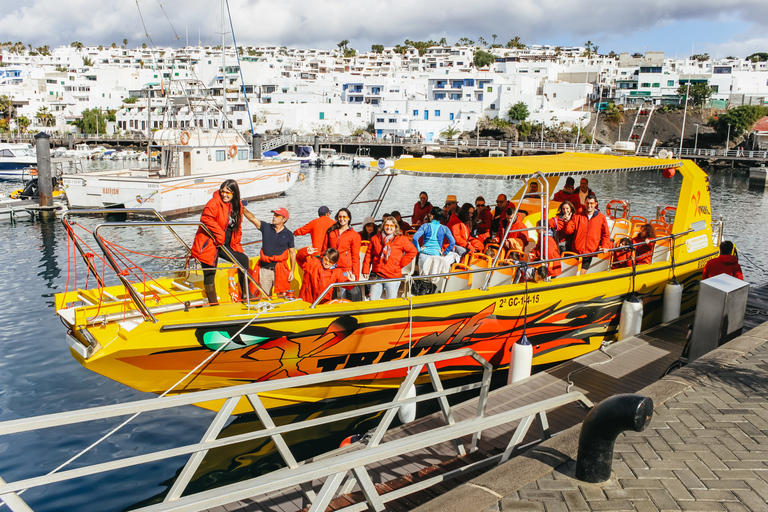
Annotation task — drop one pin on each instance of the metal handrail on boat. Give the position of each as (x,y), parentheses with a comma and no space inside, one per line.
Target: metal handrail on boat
(489,270)
(333,467)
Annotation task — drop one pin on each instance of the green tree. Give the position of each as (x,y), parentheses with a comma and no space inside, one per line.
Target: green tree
(482,41)
(129,100)
(450,132)
(377,48)
(515,43)
(23,122)
(77,45)
(483,59)
(518,111)
(7,110)
(401,49)
(144,45)
(637,55)
(87,62)
(125,43)
(44,117)
(699,94)
(114,45)
(343,46)
(614,114)
(758,57)
(92,118)
(420,45)
(741,119)
(588,51)
(494,36)
(701,57)
(442,42)
(612,54)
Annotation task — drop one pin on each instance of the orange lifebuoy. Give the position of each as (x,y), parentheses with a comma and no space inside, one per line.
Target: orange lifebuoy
(232,151)
(614,205)
(664,211)
(184,138)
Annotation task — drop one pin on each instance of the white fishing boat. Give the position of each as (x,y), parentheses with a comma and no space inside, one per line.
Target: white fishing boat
(193,164)
(16,161)
(342,160)
(362,158)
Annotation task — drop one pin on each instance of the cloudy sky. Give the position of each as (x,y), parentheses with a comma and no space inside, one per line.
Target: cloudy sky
(718,27)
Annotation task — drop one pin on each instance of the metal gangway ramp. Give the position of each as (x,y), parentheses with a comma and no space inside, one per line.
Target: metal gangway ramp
(340,471)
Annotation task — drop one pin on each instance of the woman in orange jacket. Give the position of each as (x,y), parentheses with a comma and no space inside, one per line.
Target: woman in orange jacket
(346,240)
(319,273)
(388,252)
(223,216)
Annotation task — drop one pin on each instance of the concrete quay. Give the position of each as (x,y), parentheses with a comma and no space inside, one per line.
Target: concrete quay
(706,449)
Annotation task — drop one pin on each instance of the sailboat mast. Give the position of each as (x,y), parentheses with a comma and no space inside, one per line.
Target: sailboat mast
(223,70)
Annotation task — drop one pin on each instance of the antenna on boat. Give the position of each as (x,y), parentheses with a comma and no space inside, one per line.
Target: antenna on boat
(240,69)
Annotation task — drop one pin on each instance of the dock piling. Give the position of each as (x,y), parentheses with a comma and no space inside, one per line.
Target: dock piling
(44,179)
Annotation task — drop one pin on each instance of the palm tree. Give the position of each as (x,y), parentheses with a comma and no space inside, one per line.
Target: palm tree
(588,53)
(450,132)
(44,117)
(125,42)
(494,36)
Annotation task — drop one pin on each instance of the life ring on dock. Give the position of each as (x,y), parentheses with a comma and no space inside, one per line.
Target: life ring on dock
(184,138)
(232,151)
(664,211)
(16,194)
(616,205)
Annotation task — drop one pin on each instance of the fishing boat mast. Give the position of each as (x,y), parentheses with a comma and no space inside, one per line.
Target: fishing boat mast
(223,69)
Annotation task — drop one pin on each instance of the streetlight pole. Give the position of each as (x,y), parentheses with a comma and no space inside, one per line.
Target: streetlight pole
(620,125)
(728,140)
(696,140)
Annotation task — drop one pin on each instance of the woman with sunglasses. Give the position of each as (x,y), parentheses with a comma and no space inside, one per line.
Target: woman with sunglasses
(223,218)
(387,254)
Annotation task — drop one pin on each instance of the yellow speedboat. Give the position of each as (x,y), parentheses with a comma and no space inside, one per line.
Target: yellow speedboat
(153,336)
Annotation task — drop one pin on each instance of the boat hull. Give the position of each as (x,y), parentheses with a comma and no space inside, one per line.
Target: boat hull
(565,318)
(175,196)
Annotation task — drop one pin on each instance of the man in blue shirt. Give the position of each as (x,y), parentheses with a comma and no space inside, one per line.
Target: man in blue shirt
(276,248)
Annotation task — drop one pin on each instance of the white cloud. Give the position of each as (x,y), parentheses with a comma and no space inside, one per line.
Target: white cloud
(324,23)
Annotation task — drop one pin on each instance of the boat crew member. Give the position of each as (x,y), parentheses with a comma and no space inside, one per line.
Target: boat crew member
(369,229)
(584,191)
(451,210)
(482,218)
(276,248)
(726,263)
(346,240)
(388,252)
(319,273)
(421,209)
(316,228)
(590,231)
(568,193)
(404,226)
(223,216)
(435,234)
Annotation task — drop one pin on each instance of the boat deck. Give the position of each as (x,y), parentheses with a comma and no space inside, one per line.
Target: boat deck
(624,367)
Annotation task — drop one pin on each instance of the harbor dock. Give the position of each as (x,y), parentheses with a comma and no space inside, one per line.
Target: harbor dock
(704,448)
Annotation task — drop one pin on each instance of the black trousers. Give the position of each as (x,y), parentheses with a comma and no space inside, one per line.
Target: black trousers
(209,271)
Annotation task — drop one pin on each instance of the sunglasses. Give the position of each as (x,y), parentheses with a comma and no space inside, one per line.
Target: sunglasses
(500,202)
(479,204)
(342,217)
(226,193)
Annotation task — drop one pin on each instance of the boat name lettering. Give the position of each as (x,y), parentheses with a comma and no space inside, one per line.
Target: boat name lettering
(703,209)
(511,302)
(329,364)
(153,185)
(110,191)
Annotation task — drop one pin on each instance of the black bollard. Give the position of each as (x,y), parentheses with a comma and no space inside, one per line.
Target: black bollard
(317,145)
(256,143)
(509,148)
(44,178)
(602,425)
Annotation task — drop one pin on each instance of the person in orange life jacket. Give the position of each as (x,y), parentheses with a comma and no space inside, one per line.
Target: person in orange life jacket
(726,263)
(568,194)
(482,219)
(516,240)
(346,240)
(623,258)
(552,253)
(557,226)
(434,234)
(421,209)
(499,213)
(223,218)
(319,273)
(276,248)
(369,229)
(316,228)
(450,211)
(643,245)
(404,226)
(462,232)
(583,192)
(387,254)
(590,231)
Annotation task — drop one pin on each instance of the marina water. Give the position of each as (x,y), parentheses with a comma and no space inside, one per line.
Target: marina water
(39,376)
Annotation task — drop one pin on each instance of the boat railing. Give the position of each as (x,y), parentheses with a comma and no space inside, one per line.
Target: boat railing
(696,226)
(332,467)
(138,301)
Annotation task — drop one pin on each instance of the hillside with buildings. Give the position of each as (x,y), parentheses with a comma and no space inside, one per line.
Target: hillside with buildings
(392,92)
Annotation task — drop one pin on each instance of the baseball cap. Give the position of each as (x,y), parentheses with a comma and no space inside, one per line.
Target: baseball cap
(323,210)
(281,211)
(369,220)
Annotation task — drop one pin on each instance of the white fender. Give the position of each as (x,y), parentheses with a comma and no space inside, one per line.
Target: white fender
(673,297)
(520,361)
(407,413)
(631,318)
